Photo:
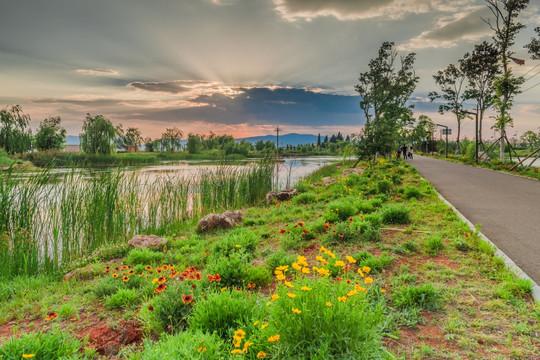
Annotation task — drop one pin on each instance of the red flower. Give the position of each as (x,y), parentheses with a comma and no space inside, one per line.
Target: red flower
(251,285)
(194,285)
(304,231)
(282,231)
(340,235)
(150,307)
(158,270)
(198,276)
(160,288)
(51,315)
(186,299)
(300,224)
(351,219)
(210,277)
(217,278)
(362,217)
(326,226)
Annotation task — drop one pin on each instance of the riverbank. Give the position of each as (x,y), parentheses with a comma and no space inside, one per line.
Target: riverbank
(365,267)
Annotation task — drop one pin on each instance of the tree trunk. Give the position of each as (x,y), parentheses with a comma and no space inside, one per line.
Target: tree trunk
(458,134)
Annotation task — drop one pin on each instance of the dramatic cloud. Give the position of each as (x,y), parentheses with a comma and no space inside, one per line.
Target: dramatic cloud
(173,87)
(97,72)
(293,10)
(449,31)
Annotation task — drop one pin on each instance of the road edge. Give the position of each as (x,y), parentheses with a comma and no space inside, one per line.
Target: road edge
(510,264)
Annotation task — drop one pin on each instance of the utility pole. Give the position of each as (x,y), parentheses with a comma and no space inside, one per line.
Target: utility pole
(476,133)
(277,141)
(446,133)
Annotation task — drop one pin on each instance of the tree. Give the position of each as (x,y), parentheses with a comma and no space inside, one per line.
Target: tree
(131,137)
(530,138)
(50,134)
(171,139)
(534,46)
(98,135)
(506,86)
(15,135)
(319,140)
(451,81)
(194,144)
(149,144)
(481,68)
(385,89)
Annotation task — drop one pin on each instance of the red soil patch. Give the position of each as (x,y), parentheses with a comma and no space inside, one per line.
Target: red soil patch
(108,341)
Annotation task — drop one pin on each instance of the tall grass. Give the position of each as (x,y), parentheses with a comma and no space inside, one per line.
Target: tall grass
(49,220)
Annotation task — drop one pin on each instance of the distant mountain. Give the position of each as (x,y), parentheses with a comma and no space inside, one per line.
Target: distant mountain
(285,139)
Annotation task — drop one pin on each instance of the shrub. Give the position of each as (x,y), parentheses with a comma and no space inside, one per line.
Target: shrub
(513,287)
(342,232)
(341,330)
(123,299)
(233,270)
(145,257)
(374,219)
(305,198)
(238,241)
(172,307)
(434,244)
(224,312)
(396,214)
(339,210)
(383,186)
(375,263)
(259,275)
(296,236)
(54,344)
(280,258)
(412,192)
(184,345)
(302,186)
(371,233)
(423,296)
(106,286)
(364,206)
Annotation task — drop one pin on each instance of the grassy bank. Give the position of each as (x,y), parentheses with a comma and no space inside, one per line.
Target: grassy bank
(373,266)
(494,164)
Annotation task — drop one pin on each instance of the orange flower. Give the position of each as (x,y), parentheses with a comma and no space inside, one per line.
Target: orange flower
(251,285)
(52,315)
(165,248)
(125,279)
(368,280)
(296,311)
(131,272)
(186,299)
(273,338)
(261,355)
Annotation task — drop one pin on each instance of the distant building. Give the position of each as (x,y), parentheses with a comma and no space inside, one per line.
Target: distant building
(72,148)
(132,148)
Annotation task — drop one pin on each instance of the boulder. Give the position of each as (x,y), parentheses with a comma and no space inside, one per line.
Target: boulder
(226,220)
(147,241)
(328,180)
(83,273)
(356,171)
(282,195)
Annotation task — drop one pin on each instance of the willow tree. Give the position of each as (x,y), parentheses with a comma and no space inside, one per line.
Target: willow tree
(452,82)
(506,28)
(15,134)
(98,135)
(385,89)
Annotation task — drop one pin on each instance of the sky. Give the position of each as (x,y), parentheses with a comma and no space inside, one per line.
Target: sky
(238,67)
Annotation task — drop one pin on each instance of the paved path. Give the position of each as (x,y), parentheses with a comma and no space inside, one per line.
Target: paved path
(507,206)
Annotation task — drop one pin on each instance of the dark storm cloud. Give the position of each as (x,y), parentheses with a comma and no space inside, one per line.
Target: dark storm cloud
(261,105)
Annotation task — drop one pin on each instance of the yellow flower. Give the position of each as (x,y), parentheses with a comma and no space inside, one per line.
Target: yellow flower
(296,266)
(321,260)
(237,245)
(283,268)
(202,348)
(273,338)
(366,269)
(368,280)
(236,351)
(275,297)
(256,323)
(331,254)
(324,272)
(294,310)
(224,288)
(281,277)
(292,296)
(305,270)
(240,332)
(247,344)
(360,272)
(383,290)
(278,272)
(28,356)
(263,326)
(305,288)
(342,299)
(288,284)
(339,263)
(261,355)
(359,288)
(350,259)
(301,258)
(328,304)
(352,292)
(155,280)
(323,249)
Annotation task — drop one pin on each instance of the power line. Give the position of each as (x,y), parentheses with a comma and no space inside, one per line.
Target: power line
(538,72)
(530,88)
(537,65)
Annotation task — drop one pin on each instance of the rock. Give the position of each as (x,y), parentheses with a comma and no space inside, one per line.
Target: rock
(80,273)
(147,241)
(226,220)
(484,156)
(356,171)
(282,195)
(328,180)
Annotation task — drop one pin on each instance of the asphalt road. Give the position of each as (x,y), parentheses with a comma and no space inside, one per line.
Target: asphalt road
(506,206)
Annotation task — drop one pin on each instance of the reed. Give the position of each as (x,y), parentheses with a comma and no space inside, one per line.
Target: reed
(48,220)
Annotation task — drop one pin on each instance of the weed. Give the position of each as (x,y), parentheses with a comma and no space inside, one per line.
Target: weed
(434,244)
(145,257)
(396,214)
(410,192)
(123,299)
(383,186)
(423,296)
(305,198)
(53,344)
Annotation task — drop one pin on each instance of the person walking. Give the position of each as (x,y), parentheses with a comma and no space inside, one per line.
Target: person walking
(404,151)
(410,152)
